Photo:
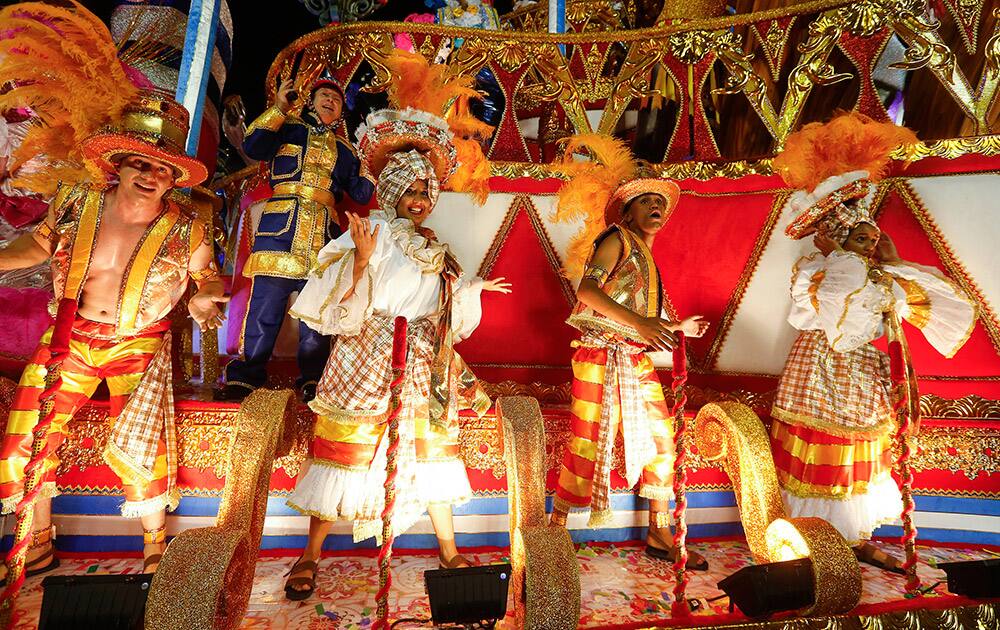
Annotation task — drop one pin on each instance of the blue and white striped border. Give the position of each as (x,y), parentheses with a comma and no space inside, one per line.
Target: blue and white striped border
(92,523)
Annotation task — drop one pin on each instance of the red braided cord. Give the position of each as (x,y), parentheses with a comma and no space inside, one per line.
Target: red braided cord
(680,608)
(897,370)
(41,448)
(385,552)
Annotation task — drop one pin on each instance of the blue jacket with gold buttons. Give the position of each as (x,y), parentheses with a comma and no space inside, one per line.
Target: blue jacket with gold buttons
(311,168)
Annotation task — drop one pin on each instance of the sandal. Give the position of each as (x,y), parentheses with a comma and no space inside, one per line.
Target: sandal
(297,595)
(458,561)
(153,537)
(870,554)
(695,561)
(45,562)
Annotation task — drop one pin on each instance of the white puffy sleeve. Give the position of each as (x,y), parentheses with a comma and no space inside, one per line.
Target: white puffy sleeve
(934,304)
(321,304)
(466,306)
(835,295)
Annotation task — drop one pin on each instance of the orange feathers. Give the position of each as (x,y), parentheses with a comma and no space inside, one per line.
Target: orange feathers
(589,189)
(65,68)
(429,87)
(848,142)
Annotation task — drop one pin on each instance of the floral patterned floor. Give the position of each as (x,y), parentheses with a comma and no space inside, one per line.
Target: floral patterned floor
(619,585)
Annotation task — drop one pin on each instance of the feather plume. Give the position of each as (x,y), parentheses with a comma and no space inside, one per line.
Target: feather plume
(430,87)
(65,68)
(589,189)
(849,142)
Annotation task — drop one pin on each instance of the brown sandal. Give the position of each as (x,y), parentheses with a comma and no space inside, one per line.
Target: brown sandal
(153,537)
(295,594)
(870,554)
(457,561)
(668,552)
(45,562)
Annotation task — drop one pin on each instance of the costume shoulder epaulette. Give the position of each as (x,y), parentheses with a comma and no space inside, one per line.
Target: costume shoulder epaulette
(69,195)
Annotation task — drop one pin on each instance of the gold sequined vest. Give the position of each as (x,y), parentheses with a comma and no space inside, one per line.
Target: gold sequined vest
(156,276)
(634,283)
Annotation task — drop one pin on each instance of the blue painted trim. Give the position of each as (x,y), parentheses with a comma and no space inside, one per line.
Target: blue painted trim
(208,506)
(943,535)
(957,505)
(197,69)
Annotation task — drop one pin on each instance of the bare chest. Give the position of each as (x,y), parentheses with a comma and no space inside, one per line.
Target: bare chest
(115,244)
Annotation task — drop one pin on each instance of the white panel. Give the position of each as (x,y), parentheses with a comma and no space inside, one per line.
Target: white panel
(560,232)
(467,228)
(760,336)
(967,211)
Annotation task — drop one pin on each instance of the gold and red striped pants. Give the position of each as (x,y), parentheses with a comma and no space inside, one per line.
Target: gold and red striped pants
(576,478)
(94,355)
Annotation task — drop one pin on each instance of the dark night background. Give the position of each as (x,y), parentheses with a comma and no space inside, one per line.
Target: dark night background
(261,29)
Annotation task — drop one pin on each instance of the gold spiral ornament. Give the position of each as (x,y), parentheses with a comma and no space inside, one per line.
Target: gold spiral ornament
(206,575)
(732,433)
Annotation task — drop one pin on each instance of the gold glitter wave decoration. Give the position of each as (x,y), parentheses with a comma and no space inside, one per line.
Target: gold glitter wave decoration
(205,578)
(731,432)
(545,576)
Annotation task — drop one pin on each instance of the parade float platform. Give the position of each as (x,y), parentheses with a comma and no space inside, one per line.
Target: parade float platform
(723,255)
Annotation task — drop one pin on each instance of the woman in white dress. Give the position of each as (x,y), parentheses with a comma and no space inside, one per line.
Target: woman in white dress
(386,266)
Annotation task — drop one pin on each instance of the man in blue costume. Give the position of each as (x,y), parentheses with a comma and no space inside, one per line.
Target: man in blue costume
(311,166)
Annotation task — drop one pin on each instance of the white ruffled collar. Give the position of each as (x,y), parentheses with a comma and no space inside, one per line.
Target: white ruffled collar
(428,254)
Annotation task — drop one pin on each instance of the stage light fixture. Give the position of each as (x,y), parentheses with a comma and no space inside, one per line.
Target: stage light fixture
(469,594)
(761,590)
(973,578)
(108,602)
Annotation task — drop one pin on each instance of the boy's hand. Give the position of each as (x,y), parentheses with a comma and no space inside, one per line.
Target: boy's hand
(656,332)
(693,326)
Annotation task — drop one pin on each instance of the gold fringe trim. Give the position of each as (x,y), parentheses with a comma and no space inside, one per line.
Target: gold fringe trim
(137,509)
(347,416)
(809,422)
(656,493)
(659,520)
(124,465)
(49,490)
(600,518)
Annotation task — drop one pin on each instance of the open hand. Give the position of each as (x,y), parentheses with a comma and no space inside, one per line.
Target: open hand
(825,244)
(499,285)
(364,237)
(204,308)
(885,249)
(656,332)
(693,326)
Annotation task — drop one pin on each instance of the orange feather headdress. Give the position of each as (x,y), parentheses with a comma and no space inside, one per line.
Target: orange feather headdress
(835,166)
(64,67)
(422,92)
(599,190)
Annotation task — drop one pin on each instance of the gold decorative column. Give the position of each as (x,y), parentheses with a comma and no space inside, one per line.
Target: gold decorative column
(732,433)
(545,575)
(205,578)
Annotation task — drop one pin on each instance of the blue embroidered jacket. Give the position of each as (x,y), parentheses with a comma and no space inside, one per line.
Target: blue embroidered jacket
(310,168)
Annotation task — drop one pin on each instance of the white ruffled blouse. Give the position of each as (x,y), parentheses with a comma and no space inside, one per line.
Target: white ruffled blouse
(399,281)
(840,294)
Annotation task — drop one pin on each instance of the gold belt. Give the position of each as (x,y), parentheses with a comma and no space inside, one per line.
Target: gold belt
(294,189)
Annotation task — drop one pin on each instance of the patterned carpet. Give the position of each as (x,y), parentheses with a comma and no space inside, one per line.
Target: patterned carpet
(619,584)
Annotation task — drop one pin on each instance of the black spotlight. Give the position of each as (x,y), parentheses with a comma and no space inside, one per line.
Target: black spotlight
(469,594)
(761,590)
(973,578)
(109,602)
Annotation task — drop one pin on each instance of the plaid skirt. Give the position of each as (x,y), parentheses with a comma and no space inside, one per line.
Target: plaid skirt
(841,393)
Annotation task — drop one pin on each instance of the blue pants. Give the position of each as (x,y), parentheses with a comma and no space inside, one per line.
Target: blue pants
(265,311)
